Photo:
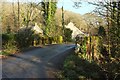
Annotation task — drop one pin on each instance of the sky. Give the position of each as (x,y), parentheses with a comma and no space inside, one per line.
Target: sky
(68,5)
(85,7)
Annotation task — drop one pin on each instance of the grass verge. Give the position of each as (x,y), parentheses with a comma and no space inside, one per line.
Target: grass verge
(76,68)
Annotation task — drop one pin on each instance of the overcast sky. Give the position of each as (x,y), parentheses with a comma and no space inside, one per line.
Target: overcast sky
(68,5)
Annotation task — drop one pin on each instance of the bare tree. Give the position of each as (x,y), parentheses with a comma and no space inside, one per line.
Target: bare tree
(18,15)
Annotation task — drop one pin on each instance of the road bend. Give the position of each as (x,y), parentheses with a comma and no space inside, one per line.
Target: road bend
(36,63)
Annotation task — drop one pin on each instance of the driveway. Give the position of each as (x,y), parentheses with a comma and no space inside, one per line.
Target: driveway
(37,63)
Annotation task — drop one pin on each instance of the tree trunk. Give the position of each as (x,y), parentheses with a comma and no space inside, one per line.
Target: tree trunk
(18,15)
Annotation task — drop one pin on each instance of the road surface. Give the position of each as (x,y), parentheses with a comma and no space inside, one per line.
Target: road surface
(37,63)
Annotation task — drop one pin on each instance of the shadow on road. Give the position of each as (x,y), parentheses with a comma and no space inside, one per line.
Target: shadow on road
(33,66)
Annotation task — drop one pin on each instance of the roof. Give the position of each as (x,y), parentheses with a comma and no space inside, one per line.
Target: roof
(75,30)
(37,29)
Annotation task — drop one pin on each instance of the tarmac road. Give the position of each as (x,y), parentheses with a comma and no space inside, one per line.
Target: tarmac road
(36,63)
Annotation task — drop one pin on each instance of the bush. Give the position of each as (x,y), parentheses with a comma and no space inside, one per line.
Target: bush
(37,39)
(75,67)
(8,43)
(101,31)
(4,53)
(50,39)
(24,38)
(42,40)
(7,38)
(67,35)
(60,39)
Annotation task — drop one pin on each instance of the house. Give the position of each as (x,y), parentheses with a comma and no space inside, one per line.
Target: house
(75,30)
(35,28)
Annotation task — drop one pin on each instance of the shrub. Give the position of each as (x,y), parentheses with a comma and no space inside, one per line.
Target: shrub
(24,37)
(8,43)
(59,39)
(7,38)
(50,40)
(37,38)
(101,31)
(75,67)
(4,53)
(67,35)
(43,40)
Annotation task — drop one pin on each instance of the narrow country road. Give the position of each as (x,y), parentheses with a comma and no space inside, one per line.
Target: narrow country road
(37,63)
